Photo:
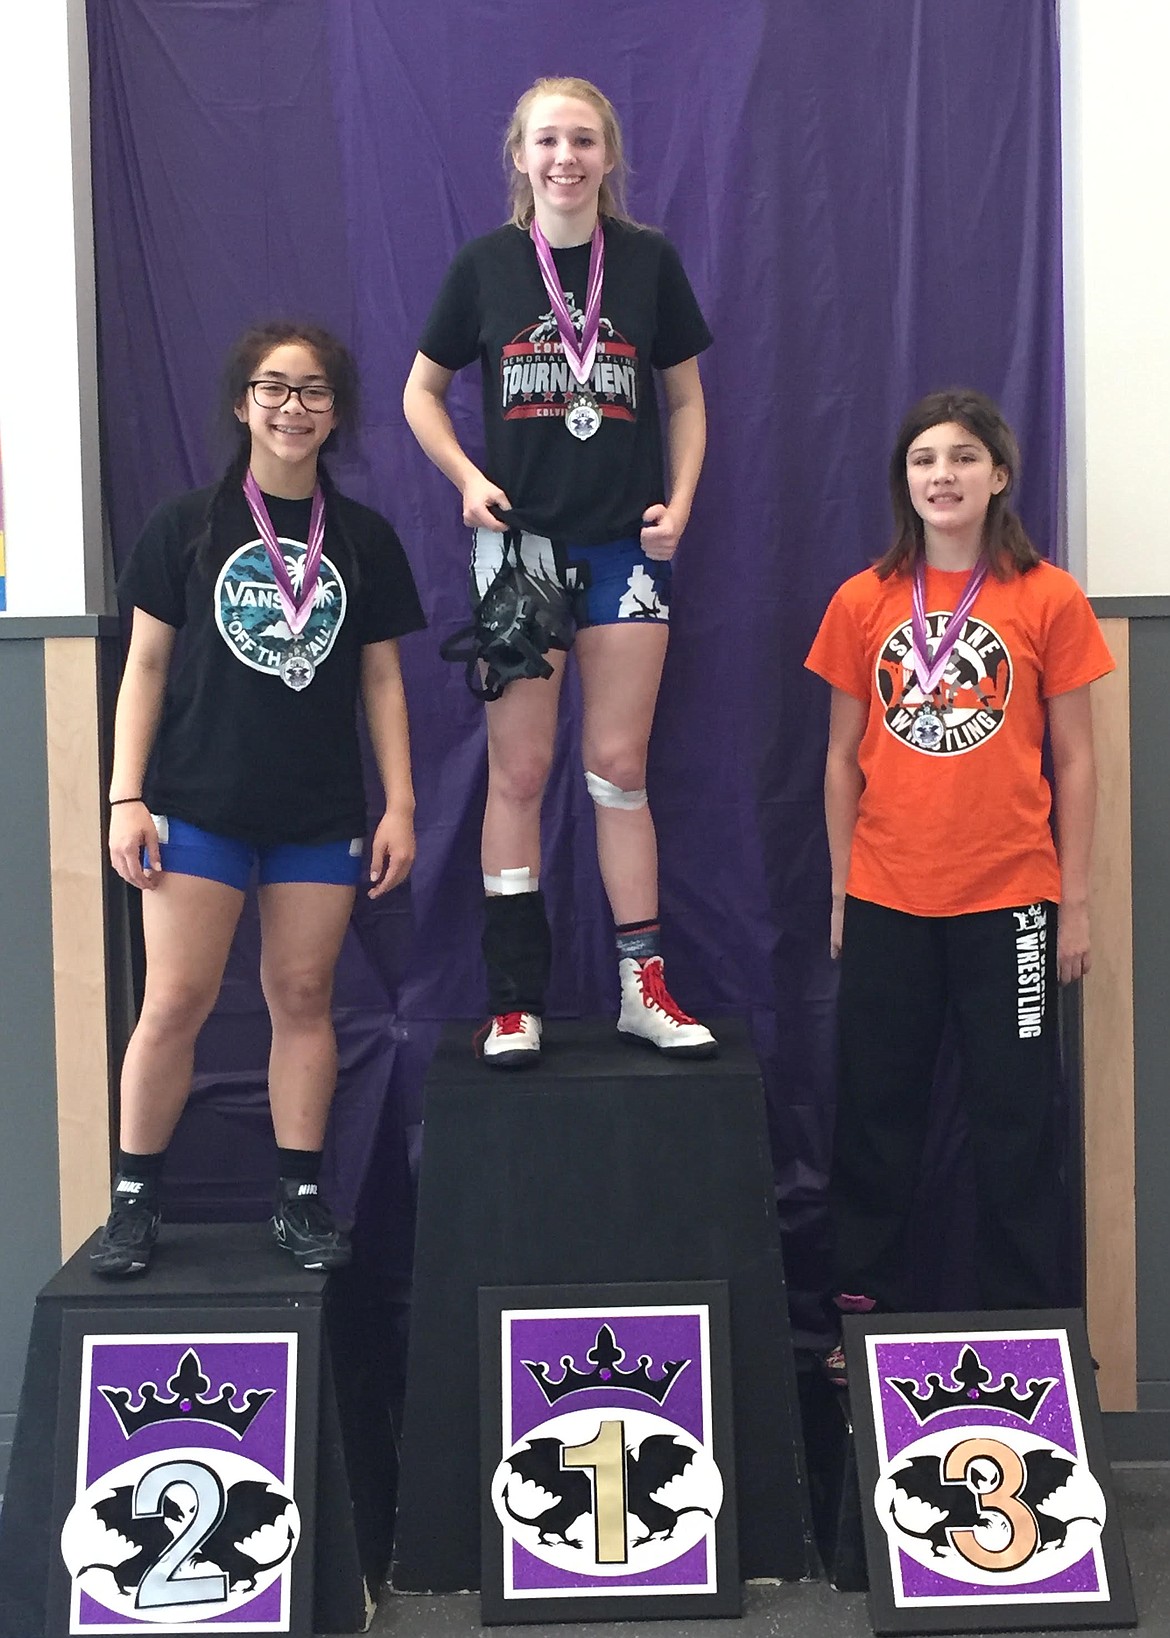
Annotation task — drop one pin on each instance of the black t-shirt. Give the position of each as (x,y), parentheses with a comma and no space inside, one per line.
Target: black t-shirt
(238,752)
(493,306)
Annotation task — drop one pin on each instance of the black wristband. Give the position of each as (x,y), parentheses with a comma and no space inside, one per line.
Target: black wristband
(117,801)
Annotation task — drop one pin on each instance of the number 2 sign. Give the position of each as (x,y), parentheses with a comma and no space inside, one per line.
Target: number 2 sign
(983,1475)
(181,1488)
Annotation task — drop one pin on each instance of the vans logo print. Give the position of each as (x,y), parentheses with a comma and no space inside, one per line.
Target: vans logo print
(249,615)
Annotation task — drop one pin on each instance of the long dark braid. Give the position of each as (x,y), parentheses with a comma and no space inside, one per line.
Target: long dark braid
(207,556)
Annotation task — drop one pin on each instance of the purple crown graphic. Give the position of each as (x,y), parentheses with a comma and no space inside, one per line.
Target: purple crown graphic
(971,1377)
(605,1356)
(188,1401)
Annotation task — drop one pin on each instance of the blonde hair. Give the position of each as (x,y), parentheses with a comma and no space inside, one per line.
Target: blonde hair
(611,200)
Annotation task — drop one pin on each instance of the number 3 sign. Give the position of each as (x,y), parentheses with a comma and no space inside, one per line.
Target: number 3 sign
(608,1479)
(983,1475)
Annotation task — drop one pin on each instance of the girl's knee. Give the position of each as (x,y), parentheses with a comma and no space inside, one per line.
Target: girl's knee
(623,766)
(299,995)
(521,775)
(174,1008)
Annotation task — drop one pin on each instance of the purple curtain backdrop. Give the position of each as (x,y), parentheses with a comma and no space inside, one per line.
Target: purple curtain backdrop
(867,201)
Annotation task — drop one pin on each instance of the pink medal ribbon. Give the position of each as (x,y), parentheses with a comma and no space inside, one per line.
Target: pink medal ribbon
(928,669)
(296,609)
(580,354)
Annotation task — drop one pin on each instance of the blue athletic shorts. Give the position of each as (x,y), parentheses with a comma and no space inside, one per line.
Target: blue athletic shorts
(188,851)
(601,585)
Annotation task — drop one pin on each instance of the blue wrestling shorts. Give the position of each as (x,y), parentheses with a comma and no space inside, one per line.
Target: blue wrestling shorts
(604,585)
(188,851)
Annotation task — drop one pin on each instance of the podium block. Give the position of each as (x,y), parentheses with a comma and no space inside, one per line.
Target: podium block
(605,1164)
(833,1483)
(183,1414)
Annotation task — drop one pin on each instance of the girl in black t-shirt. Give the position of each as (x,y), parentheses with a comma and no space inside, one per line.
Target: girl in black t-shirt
(570,308)
(236,753)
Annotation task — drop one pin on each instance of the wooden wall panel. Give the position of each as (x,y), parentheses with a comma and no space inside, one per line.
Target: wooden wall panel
(1111,1251)
(77,874)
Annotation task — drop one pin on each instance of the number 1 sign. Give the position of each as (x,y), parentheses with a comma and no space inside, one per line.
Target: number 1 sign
(609,1487)
(984,1481)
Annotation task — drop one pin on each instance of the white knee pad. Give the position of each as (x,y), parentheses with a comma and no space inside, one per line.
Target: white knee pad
(519,880)
(612,796)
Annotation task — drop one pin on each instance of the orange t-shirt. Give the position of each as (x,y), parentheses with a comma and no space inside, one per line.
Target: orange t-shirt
(962,826)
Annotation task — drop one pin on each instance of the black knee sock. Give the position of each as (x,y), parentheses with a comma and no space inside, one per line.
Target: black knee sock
(517,951)
(137,1177)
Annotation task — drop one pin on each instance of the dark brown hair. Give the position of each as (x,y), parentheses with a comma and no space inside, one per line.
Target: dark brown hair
(254,346)
(244,359)
(1005,540)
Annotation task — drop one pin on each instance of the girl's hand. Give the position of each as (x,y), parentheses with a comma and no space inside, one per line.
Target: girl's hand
(392,854)
(479,493)
(132,832)
(836,926)
(662,532)
(1073,957)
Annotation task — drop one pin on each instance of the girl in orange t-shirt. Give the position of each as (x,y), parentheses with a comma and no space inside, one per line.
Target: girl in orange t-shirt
(949,660)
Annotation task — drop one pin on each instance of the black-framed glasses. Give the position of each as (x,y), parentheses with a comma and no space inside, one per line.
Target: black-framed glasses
(272,394)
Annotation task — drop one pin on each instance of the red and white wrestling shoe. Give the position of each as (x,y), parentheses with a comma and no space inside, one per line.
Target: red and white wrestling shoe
(510,1040)
(652,1015)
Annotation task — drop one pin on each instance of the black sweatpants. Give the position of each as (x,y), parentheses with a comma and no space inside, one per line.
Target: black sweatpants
(997,971)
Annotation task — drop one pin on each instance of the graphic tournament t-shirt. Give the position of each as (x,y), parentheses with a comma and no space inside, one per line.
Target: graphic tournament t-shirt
(238,752)
(493,306)
(962,827)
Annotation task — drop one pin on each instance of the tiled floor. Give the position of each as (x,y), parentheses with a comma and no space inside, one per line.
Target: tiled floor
(813,1609)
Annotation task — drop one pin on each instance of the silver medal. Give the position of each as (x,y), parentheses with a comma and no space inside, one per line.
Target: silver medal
(297,670)
(927,729)
(582,415)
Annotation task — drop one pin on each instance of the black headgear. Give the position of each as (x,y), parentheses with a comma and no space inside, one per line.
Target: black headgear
(516,623)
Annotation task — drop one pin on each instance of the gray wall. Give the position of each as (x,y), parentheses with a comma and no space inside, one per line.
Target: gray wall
(1149,657)
(29,1221)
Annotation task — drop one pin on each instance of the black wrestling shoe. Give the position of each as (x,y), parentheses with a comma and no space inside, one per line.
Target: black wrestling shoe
(305,1227)
(127,1241)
